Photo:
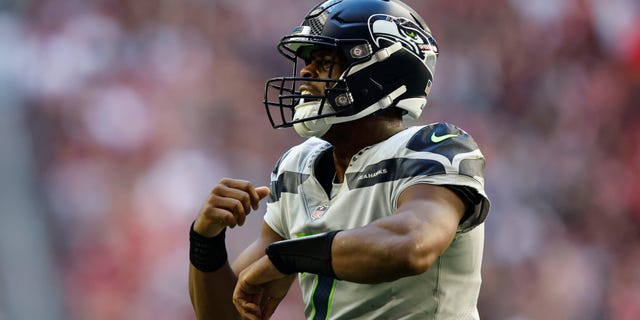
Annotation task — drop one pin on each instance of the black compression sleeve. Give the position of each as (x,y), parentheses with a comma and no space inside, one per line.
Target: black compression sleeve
(309,254)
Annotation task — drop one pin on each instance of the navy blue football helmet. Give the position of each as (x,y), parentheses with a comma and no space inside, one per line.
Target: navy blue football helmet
(390,57)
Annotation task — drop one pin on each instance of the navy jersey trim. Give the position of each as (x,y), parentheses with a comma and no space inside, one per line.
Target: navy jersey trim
(288,182)
(428,139)
(393,169)
(275,193)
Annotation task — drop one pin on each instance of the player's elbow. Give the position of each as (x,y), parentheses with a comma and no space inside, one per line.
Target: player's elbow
(419,256)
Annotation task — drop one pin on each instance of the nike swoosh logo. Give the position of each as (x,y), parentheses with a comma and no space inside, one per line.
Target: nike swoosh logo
(436,139)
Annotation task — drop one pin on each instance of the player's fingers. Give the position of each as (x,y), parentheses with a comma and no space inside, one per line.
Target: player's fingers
(219,216)
(250,311)
(269,307)
(246,186)
(229,209)
(225,191)
(246,299)
(261,192)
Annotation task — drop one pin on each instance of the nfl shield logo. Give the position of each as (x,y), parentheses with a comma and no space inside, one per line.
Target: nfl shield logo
(319,212)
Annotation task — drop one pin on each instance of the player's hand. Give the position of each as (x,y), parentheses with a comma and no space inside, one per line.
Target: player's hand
(228,205)
(259,290)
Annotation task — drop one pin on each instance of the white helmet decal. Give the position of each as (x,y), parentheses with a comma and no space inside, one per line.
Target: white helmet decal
(384,27)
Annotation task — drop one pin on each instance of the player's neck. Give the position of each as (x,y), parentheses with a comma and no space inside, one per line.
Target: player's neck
(349,138)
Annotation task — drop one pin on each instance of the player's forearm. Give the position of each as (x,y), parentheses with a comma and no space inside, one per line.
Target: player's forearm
(389,249)
(211,293)
(376,253)
(211,280)
(363,259)
(386,250)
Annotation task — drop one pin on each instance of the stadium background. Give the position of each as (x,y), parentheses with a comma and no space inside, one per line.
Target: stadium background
(117,117)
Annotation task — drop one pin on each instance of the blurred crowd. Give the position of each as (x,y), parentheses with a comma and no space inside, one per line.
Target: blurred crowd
(135,109)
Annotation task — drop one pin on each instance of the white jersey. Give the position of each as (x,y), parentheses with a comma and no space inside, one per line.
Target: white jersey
(439,154)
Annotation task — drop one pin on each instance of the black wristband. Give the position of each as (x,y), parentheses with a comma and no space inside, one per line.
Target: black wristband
(309,254)
(207,254)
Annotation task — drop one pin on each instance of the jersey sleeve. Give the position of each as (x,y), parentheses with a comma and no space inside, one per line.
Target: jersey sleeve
(443,154)
(286,200)
(273,216)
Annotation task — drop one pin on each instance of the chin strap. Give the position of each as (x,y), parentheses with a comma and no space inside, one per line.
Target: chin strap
(383,103)
(318,127)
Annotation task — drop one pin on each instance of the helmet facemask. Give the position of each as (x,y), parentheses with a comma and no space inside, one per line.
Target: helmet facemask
(285,94)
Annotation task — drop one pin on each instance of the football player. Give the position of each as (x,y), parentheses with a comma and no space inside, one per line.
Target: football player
(376,220)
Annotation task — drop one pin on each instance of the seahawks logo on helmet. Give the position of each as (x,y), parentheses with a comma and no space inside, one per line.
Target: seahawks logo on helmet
(384,27)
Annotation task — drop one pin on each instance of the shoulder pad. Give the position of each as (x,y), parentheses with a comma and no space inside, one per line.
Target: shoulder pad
(442,138)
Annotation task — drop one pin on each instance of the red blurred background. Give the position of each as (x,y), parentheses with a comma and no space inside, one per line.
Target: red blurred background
(117,117)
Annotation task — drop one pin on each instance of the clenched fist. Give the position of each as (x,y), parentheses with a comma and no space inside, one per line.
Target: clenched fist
(228,205)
